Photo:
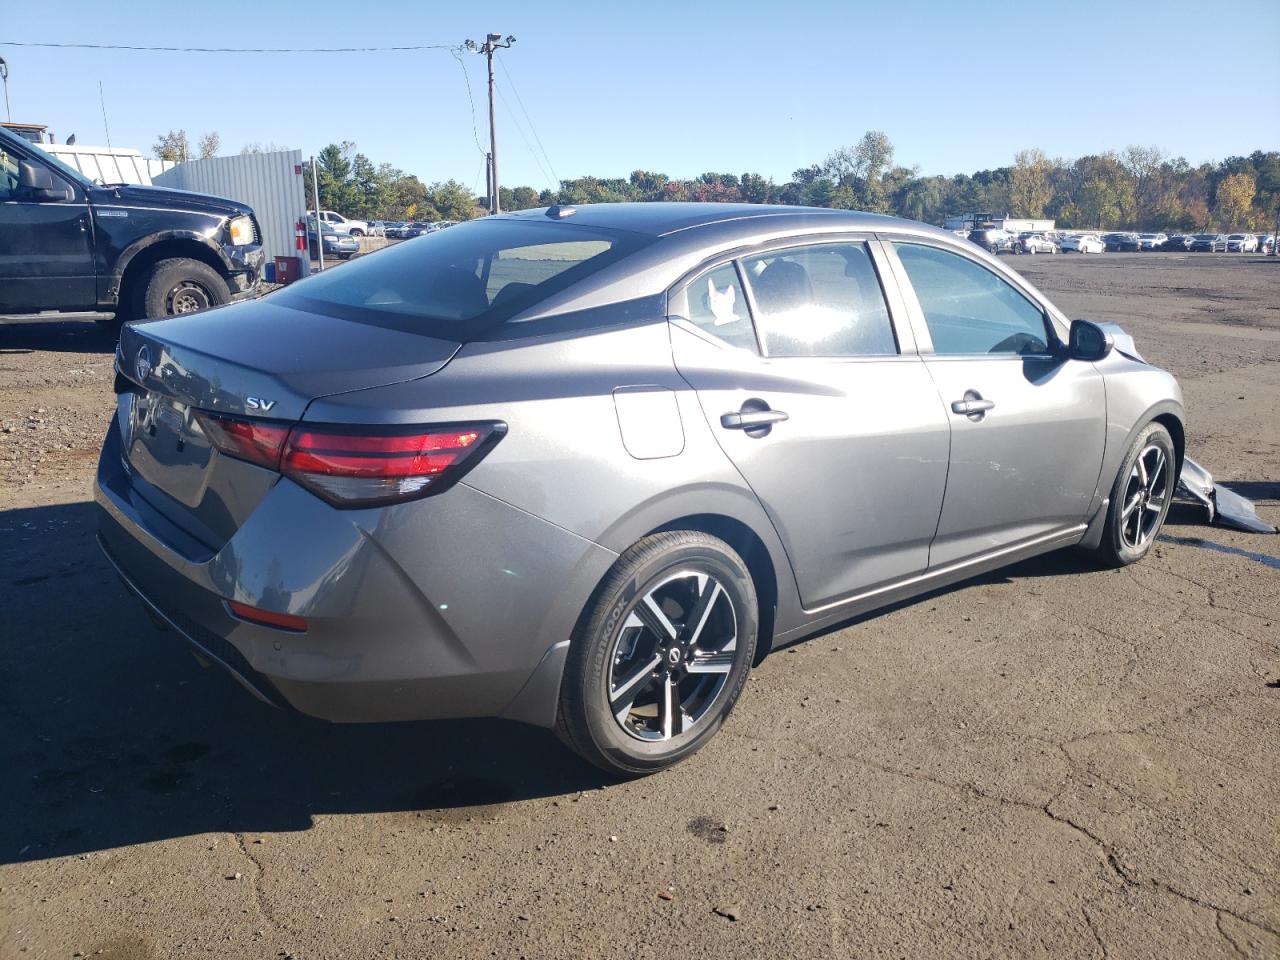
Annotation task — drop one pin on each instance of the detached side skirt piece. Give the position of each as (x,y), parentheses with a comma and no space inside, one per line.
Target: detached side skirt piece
(1225,507)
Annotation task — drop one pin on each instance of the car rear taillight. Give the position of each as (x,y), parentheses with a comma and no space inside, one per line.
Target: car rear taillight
(351,466)
(258,441)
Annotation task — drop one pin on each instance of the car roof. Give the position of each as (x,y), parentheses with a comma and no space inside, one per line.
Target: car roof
(661,219)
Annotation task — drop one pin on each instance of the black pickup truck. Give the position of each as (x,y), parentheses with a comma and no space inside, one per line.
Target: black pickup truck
(122,251)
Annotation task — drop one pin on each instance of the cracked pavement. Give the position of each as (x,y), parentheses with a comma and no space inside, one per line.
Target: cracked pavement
(1053,760)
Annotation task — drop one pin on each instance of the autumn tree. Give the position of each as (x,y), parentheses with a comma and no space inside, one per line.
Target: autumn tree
(1233,198)
(1029,187)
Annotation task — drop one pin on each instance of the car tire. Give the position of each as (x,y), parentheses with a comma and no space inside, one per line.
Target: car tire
(181,285)
(1144,485)
(357,233)
(628,681)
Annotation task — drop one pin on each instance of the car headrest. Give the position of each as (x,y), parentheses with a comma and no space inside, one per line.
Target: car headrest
(783,285)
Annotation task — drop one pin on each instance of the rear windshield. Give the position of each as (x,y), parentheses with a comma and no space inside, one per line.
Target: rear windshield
(458,283)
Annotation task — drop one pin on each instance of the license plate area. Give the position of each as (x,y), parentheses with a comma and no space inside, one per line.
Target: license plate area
(164,444)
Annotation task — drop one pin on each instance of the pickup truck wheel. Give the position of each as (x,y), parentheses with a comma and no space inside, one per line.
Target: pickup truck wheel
(181,285)
(357,233)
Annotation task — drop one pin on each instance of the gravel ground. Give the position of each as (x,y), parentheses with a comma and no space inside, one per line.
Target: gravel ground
(1054,760)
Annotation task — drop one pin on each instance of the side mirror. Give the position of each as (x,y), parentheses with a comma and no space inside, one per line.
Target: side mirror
(1088,341)
(38,183)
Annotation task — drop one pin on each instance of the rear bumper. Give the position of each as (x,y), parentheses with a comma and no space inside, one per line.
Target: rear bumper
(452,606)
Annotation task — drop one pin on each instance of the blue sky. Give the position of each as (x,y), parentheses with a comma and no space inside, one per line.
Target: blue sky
(680,88)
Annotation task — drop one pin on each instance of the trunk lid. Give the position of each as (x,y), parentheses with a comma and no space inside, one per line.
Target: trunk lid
(253,359)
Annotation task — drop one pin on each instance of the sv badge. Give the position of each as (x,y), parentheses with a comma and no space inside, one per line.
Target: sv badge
(255,403)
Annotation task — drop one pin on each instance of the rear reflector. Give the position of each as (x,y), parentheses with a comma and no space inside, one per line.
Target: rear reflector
(351,466)
(268,618)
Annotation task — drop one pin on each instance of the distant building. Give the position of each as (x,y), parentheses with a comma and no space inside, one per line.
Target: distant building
(34,132)
(1015,225)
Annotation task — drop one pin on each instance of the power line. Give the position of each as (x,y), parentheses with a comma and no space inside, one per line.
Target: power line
(121,46)
(519,129)
(466,76)
(532,128)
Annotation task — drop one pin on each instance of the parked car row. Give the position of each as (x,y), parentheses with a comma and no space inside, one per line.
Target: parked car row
(996,240)
(407,229)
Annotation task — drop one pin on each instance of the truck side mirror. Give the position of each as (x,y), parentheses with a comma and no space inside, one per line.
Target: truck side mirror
(38,183)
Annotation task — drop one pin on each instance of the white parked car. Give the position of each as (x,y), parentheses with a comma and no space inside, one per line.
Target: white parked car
(1083,243)
(341,225)
(1242,243)
(1151,241)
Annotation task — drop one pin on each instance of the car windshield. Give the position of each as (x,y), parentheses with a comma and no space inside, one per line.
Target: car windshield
(456,284)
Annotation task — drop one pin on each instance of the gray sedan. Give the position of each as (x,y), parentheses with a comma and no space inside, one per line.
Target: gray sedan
(584,468)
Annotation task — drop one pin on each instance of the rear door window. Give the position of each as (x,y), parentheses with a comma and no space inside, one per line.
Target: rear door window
(820,301)
(716,305)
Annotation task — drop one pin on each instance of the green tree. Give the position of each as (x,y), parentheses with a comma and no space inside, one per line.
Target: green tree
(452,200)
(333,173)
(172,146)
(175,146)
(370,188)
(523,198)
(920,199)
(755,188)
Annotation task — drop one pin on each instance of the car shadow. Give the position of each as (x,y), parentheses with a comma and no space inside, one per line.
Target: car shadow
(114,736)
(61,336)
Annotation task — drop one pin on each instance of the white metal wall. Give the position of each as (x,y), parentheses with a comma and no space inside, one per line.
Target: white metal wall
(108,165)
(269,182)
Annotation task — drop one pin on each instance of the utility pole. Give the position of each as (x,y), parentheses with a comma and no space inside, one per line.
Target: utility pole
(4,76)
(488,180)
(492,42)
(315,185)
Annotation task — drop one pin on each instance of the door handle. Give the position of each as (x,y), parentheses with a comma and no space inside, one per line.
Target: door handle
(749,419)
(972,406)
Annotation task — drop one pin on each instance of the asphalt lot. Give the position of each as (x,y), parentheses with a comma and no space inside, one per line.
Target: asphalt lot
(1054,760)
